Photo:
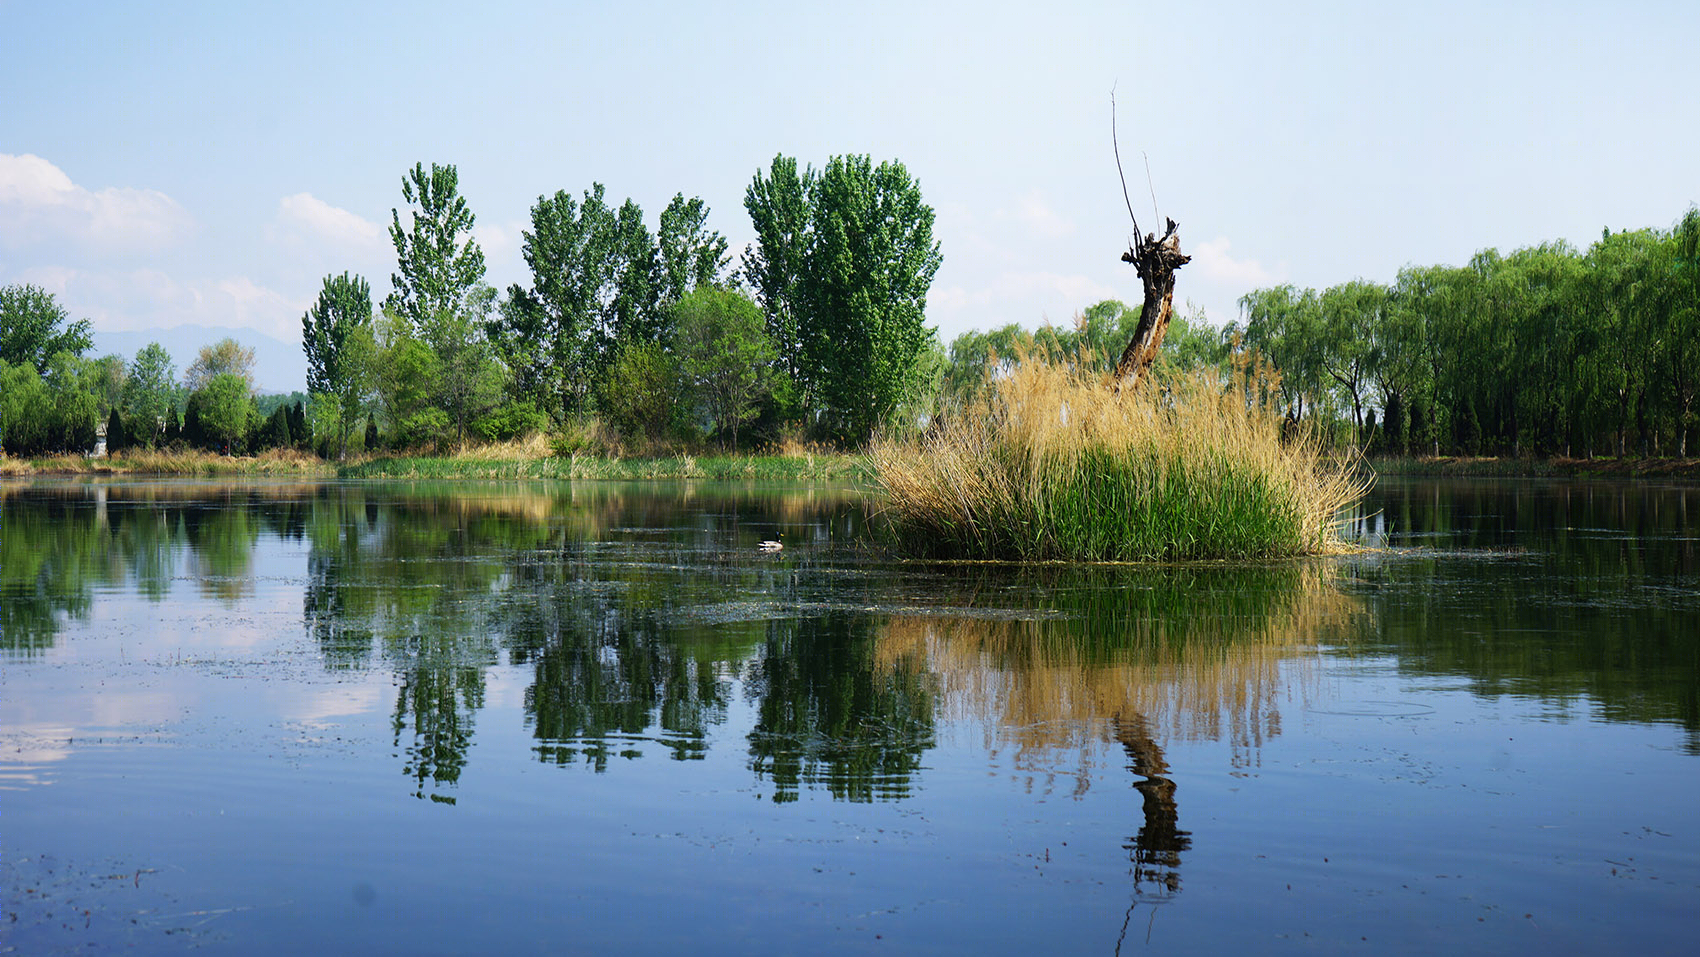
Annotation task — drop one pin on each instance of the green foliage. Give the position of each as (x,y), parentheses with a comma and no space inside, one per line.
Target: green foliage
(551,335)
(779,205)
(844,285)
(724,354)
(469,378)
(512,419)
(691,254)
(641,394)
(438,261)
(599,280)
(24,409)
(408,372)
(275,433)
(30,328)
(224,408)
(336,335)
(149,393)
(224,357)
(1546,350)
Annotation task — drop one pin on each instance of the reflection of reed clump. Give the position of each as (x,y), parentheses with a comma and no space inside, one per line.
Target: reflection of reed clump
(1169,654)
(1196,654)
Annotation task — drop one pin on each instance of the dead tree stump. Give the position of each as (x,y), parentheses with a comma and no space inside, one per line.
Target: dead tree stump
(1155,260)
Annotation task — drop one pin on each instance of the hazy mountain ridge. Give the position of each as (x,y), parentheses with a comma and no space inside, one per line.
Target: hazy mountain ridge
(279,366)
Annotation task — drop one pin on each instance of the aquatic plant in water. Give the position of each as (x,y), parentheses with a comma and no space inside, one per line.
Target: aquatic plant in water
(1055,463)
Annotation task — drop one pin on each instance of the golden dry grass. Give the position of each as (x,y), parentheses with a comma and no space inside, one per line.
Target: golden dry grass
(1055,463)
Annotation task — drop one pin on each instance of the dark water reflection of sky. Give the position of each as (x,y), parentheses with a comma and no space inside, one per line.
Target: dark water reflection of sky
(592,717)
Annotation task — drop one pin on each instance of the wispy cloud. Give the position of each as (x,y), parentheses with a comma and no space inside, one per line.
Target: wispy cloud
(1024,297)
(307,221)
(1213,262)
(125,300)
(39,205)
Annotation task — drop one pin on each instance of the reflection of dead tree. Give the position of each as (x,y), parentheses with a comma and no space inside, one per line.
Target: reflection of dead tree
(1158,845)
(1155,260)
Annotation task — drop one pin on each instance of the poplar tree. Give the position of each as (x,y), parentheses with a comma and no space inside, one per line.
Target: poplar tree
(439,262)
(336,335)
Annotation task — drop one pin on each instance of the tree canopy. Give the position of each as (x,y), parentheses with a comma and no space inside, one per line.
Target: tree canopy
(842,265)
(336,335)
(438,261)
(34,327)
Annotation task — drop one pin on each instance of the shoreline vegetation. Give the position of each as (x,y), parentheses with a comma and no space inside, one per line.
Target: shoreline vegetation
(502,461)
(506,460)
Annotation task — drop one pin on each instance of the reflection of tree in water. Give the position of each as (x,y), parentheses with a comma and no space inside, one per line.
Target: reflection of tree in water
(1135,657)
(607,673)
(62,539)
(444,581)
(411,579)
(831,715)
(1157,847)
(436,703)
(51,553)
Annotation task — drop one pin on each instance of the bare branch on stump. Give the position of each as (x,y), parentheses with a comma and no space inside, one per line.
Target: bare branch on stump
(1155,260)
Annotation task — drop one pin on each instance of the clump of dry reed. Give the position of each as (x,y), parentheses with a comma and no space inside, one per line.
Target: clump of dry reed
(1054,463)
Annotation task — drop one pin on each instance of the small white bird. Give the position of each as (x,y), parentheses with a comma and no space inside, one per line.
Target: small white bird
(770,546)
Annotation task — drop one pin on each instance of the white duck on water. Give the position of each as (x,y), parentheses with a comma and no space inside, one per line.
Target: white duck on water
(771,545)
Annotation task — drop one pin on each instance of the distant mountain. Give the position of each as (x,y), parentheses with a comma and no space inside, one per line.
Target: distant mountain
(279,366)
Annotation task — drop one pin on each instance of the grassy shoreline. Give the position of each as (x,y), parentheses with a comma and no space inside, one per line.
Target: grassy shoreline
(490,463)
(499,462)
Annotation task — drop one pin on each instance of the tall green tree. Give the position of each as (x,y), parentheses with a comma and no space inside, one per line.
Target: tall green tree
(336,335)
(34,327)
(850,287)
(469,379)
(546,333)
(225,406)
(438,261)
(1350,313)
(692,255)
(1681,368)
(632,312)
(149,394)
(1623,293)
(781,205)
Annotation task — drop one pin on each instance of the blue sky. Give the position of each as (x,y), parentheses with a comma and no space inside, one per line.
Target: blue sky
(210,163)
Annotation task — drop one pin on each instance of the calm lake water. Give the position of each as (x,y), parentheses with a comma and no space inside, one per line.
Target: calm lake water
(466,718)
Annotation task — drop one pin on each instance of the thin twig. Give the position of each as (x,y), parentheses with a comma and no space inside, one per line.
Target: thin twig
(1148,184)
(1116,145)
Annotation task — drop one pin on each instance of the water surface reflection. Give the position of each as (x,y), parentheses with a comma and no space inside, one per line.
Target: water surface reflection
(602,645)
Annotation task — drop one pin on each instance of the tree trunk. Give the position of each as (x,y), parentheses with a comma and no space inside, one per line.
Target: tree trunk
(1155,260)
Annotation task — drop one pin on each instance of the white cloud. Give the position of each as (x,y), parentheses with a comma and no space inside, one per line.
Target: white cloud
(135,299)
(1213,262)
(40,204)
(1033,213)
(305,220)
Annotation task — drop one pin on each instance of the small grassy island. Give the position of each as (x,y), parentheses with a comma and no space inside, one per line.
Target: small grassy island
(1056,464)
